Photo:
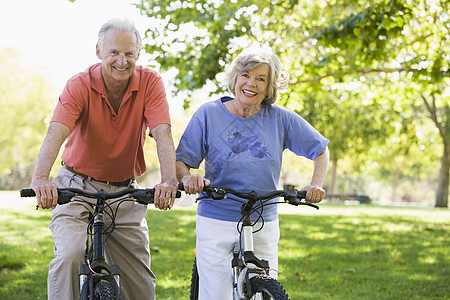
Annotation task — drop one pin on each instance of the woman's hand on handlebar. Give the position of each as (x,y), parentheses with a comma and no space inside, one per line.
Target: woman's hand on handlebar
(194,184)
(46,193)
(314,194)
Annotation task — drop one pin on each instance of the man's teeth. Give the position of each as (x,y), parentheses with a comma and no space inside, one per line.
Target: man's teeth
(119,69)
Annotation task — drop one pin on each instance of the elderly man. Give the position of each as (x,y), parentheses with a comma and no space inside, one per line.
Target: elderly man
(104,113)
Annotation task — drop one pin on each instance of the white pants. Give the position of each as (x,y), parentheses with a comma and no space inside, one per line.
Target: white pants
(214,252)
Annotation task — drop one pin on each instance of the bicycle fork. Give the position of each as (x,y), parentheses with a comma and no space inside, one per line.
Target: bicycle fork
(97,268)
(243,254)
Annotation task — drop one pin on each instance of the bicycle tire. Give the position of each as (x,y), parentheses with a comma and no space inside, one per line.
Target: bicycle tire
(103,291)
(194,282)
(267,287)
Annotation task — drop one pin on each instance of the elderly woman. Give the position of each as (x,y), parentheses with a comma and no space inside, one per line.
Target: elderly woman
(242,140)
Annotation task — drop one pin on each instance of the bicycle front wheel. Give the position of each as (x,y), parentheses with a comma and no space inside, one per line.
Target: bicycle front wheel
(265,288)
(194,282)
(104,291)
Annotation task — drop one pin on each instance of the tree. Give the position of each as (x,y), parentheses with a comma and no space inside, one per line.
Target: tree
(26,101)
(346,59)
(407,41)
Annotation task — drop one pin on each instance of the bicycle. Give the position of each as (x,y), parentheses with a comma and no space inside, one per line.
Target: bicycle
(260,285)
(98,279)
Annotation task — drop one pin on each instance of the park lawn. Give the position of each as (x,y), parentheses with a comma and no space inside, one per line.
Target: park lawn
(26,248)
(364,256)
(339,252)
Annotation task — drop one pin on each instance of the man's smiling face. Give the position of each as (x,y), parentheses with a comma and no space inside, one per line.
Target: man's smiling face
(119,55)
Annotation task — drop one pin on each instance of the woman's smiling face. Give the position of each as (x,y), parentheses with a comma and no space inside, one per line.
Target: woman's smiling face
(251,86)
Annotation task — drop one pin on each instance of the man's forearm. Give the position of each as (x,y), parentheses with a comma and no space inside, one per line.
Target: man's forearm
(56,135)
(166,152)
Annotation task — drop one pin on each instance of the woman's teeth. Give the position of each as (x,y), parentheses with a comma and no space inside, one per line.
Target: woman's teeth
(249,93)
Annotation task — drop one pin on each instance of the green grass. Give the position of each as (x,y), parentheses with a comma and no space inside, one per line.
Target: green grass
(340,252)
(26,248)
(363,256)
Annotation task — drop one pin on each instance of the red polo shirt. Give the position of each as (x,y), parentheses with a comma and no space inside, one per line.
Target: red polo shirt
(103,144)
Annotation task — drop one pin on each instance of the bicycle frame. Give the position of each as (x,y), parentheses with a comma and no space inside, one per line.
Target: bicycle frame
(99,269)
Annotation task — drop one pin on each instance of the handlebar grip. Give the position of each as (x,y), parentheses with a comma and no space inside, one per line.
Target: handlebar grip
(146,197)
(302,195)
(27,193)
(205,188)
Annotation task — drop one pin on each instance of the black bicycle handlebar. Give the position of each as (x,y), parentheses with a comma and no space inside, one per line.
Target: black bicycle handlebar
(143,196)
(293,197)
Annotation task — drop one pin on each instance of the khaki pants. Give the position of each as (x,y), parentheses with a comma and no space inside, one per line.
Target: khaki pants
(128,245)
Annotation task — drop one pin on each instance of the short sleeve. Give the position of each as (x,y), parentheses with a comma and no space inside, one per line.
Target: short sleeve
(193,145)
(70,103)
(156,105)
(303,139)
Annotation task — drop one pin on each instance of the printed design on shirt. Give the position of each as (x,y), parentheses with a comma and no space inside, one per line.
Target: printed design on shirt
(240,143)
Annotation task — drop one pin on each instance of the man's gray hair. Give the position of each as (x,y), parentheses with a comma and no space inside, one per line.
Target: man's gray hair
(119,24)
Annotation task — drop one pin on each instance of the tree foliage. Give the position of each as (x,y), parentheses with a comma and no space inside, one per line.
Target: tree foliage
(365,73)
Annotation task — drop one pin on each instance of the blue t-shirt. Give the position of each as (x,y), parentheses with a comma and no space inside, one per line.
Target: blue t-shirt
(244,153)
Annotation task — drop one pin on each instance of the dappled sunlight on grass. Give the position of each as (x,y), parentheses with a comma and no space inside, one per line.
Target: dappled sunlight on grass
(363,256)
(340,253)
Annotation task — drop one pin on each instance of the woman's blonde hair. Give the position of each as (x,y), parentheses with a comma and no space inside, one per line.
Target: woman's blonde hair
(249,59)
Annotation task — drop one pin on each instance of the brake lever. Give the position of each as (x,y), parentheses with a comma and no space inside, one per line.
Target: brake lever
(292,197)
(309,204)
(213,193)
(143,197)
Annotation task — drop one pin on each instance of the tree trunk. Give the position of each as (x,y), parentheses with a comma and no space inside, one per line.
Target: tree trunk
(443,181)
(444,128)
(332,188)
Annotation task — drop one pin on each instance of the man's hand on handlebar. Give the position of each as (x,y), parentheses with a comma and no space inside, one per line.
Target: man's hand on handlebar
(165,193)
(46,193)
(194,184)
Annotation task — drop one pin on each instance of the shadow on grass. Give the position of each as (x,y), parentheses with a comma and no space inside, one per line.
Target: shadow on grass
(10,261)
